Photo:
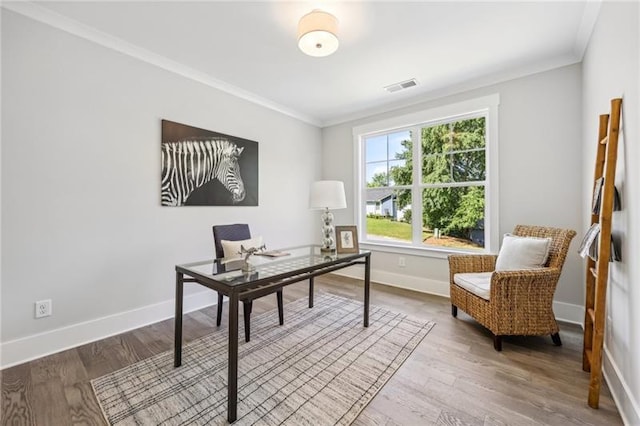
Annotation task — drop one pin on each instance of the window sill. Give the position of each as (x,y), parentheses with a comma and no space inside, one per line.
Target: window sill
(438,253)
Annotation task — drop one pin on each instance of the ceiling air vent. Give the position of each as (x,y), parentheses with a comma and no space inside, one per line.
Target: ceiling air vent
(402,85)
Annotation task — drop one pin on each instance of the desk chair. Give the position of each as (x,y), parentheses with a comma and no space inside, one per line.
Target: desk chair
(239,232)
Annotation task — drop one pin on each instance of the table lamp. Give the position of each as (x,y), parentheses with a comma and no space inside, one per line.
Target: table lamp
(327,194)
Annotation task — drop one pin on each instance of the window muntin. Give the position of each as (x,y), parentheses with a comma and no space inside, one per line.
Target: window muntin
(454,151)
(382,156)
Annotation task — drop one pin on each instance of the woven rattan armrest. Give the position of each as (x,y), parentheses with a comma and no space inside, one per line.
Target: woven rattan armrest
(522,302)
(526,276)
(512,284)
(464,263)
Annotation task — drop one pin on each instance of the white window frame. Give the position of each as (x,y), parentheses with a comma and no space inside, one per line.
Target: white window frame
(486,106)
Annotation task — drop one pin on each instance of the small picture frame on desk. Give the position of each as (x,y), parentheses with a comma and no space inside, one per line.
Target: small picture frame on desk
(347,239)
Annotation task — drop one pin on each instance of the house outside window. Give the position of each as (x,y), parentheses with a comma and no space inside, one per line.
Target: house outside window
(446,204)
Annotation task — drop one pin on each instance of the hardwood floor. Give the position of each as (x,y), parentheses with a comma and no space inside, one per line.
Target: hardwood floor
(454,377)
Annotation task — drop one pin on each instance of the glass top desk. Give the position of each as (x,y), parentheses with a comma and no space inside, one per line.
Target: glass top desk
(270,274)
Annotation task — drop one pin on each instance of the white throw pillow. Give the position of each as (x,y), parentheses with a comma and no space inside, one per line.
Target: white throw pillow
(231,249)
(522,253)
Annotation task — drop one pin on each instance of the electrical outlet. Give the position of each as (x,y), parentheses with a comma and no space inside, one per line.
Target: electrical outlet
(401,262)
(43,308)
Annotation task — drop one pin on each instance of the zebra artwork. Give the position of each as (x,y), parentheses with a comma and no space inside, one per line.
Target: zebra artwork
(190,164)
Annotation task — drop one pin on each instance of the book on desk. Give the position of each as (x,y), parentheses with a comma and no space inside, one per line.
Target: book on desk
(273,253)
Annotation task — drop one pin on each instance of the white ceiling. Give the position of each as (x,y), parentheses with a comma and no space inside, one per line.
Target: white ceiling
(250,48)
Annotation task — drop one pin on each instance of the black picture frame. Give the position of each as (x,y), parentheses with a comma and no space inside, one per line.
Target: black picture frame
(179,140)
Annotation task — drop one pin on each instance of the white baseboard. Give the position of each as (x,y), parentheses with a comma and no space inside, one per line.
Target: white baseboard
(628,407)
(565,312)
(28,348)
(568,312)
(409,282)
(25,349)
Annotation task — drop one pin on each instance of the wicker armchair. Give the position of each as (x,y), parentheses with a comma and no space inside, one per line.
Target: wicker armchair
(520,302)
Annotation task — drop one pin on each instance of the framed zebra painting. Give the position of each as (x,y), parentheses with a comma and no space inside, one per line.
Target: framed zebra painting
(205,168)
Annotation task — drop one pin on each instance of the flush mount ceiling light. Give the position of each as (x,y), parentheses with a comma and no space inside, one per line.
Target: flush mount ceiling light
(317,33)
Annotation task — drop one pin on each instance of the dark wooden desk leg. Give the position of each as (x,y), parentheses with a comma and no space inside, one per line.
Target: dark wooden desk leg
(219,312)
(280,307)
(246,310)
(232,386)
(367,284)
(177,349)
(311,292)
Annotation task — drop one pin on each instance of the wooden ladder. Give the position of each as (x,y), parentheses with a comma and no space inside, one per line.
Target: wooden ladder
(598,270)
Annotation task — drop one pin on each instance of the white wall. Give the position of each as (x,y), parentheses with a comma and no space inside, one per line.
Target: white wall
(0,183)
(81,217)
(82,222)
(539,174)
(611,69)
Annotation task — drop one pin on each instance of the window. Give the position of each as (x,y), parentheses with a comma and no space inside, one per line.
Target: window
(447,201)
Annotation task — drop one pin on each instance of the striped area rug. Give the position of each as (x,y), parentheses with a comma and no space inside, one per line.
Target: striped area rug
(321,368)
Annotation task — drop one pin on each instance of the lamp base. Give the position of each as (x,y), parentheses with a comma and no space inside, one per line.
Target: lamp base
(328,233)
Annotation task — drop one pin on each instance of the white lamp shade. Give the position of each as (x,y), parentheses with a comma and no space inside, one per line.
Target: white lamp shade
(317,33)
(327,194)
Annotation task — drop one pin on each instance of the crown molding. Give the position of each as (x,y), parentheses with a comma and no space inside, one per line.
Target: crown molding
(587,24)
(453,89)
(71,26)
